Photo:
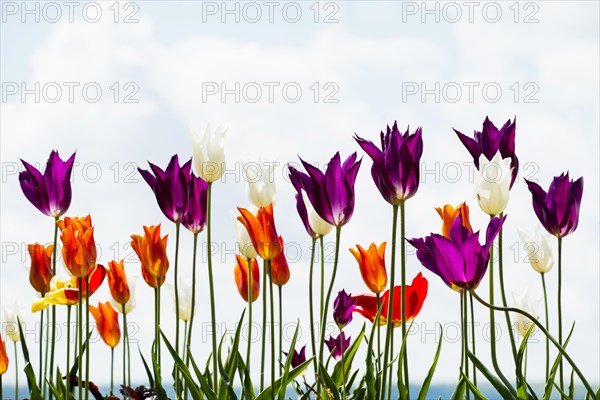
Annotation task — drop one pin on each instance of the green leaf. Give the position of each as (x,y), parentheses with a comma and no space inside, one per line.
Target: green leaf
(204,379)
(370,379)
(572,385)
(148,372)
(288,362)
(427,382)
(550,383)
(348,358)
(496,383)
(522,386)
(228,369)
(402,388)
(192,387)
(329,385)
(158,388)
(267,393)
(478,395)
(34,390)
(459,390)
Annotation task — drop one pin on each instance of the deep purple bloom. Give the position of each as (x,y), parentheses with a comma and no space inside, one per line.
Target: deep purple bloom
(490,140)
(558,210)
(298,358)
(338,345)
(50,193)
(331,193)
(395,169)
(196,204)
(170,187)
(343,306)
(460,261)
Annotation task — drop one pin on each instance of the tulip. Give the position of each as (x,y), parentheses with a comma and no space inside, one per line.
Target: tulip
(170,187)
(540,257)
(491,141)
(107,323)
(261,183)
(117,282)
(3,357)
(12,316)
(343,306)
(558,210)
(298,357)
(151,249)
(416,292)
(40,272)
(79,247)
(262,231)
(492,184)
(523,302)
(338,345)
(50,193)
(240,274)
(244,243)
(331,193)
(131,303)
(197,200)
(460,260)
(396,165)
(371,263)
(209,154)
(66,291)
(185,299)
(280,270)
(449,214)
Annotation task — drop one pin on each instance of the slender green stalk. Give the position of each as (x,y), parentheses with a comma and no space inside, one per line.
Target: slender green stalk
(159,356)
(473,336)
(389,326)
(87,342)
(343,371)
(16,372)
(46,374)
(525,365)
(126,330)
(547,324)
(310,304)
(68,366)
(124,346)
(213,313)
(40,374)
(464,334)
(338,231)
(250,301)
(322,298)
(53,307)
(280,331)
(193,309)
(80,336)
(511,335)
(403,306)
(560,327)
(1,390)
(177,228)
(112,369)
(541,327)
(272,307)
(156,321)
(378,297)
(264,328)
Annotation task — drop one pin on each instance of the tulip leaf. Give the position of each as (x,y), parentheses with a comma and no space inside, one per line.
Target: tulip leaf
(330,387)
(459,390)
(288,362)
(478,395)
(227,371)
(247,386)
(550,383)
(75,366)
(402,388)
(193,388)
(204,380)
(348,358)
(427,382)
(158,388)
(572,385)
(496,383)
(562,393)
(522,385)
(148,372)
(267,393)
(34,390)
(370,378)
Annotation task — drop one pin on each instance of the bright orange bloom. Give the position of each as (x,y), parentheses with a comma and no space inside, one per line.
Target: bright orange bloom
(79,247)
(449,214)
(40,272)
(107,323)
(371,263)
(261,229)
(280,270)
(152,252)
(117,282)
(240,273)
(3,357)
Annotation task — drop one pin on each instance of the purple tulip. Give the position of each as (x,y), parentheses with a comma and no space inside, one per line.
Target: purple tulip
(343,306)
(558,210)
(338,345)
(396,165)
(460,261)
(196,205)
(170,187)
(50,193)
(298,358)
(331,193)
(490,140)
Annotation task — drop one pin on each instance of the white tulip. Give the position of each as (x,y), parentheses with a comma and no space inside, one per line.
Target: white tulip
(523,302)
(185,298)
(260,177)
(244,242)
(11,324)
(209,153)
(130,305)
(492,183)
(538,245)
(317,224)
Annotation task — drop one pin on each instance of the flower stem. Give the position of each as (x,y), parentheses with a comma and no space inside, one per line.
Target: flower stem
(128,348)
(112,369)
(250,301)
(16,372)
(68,367)
(159,357)
(46,373)
(310,304)
(473,336)
(560,330)
(389,326)
(124,346)
(547,322)
(87,332)
(378,297)
(264,328)
(188,350)
(343,371)
(280,331)
(403,307)
(213,314)
(513,346)
(41,375)
(338,231)
(465,337)
(53,307)
(321,300)
(272,307)
(80,336)
(541,327)
(177,227)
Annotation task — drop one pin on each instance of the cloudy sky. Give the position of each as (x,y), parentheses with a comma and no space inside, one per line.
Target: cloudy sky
(122,83)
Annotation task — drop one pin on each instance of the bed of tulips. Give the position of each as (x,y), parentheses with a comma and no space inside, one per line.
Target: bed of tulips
(459,255)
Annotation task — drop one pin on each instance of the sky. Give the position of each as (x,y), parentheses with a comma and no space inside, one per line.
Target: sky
(122,83)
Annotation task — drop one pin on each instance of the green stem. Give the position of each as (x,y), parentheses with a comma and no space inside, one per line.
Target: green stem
(310,304)
(264,328)
(177,227)
(321,301)
(465,338)
(40,376)
(511,335)
(128,350)
(280,331)
(389,326)
(560,327)
(187,350)
(272,308)
(473,336)
(403,307)
(378,297)
(46,374)
(250,301)
(80,336)
(338,231)
(68,367)
(547,323)
(159,356)
(16,372)
(112,369)
(124,346)
(213,314)
(53,307)
(541,327)
(343,371)
(156,321)
(87,332)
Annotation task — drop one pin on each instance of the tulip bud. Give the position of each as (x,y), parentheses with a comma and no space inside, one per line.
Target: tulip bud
(523,302)
(539,249)
(244,242)
(209,154)
(492,184)
(261,182)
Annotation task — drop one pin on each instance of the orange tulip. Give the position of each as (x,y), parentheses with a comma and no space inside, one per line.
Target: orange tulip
(40,273)
(152,252)
(79,247)
(449,214)
(107,323)
(3,357)
(117,282)
(371,263)
(280,271)
(240,273)
(261,229)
